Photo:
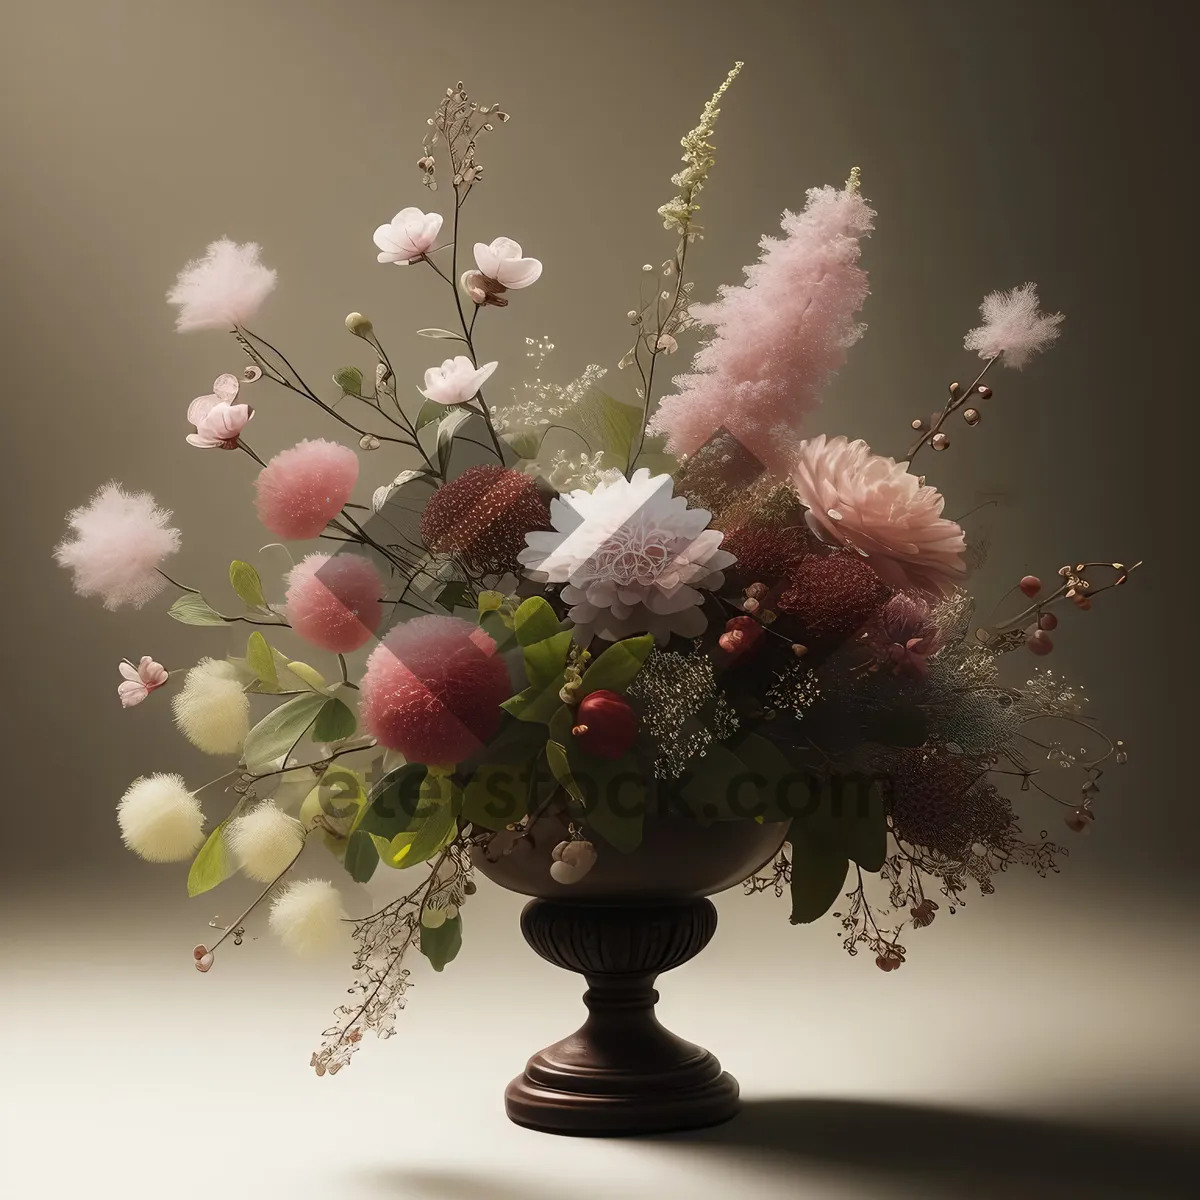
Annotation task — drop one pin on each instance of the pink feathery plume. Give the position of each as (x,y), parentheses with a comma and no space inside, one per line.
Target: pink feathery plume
(778,337)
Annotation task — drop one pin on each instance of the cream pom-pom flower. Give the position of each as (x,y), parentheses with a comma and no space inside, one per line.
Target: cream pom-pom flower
(120,539)
(633,557)
(213,710)
(223,289)
(408,236)
(307,917)
(160,819)
(265,841)
(876,507)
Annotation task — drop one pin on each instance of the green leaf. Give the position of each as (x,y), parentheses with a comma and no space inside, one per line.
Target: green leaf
(447,428)
(261,660)
(718,786)
(212,865)
(560,767)
(350,380)
(535,621)
(307,675)
(608,425)
(490,601)
(863,814)
(192,609)
(273,739)
(442,944)
(614,670)
(441,333)
(537,703)
(495,796)
(395,804)
(247,583)
(497,625)
(454,595)
(420,844)
(381,495)
(361,856)
(819,867)
(428,413)
(334,722)
(544,661)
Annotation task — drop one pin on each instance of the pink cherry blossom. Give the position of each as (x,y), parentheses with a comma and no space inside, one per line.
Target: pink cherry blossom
(456,381)
(218,420)
(501,261)
(140,681)
(409,236)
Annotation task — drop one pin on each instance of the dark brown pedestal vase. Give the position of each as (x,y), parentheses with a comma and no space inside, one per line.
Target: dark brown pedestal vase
(631,918)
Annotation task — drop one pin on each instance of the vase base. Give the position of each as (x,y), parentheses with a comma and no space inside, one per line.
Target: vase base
(554,1096)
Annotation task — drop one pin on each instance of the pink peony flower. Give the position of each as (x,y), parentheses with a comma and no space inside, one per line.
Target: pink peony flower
(433,689)
(120,539)
(777,339)
(501,262)
(456,381)
(408,236)
(219,421)
(223,289)
(302,489)
(139,681)
(1013,327)
(334,601)
(874,506)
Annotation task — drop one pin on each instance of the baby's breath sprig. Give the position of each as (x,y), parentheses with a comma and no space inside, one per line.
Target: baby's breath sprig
(458,123)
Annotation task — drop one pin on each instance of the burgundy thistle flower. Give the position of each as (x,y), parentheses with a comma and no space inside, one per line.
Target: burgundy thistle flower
(834,594)
(482,518)
(903,635)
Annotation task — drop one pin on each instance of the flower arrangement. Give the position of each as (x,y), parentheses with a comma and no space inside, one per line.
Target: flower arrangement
(553,600)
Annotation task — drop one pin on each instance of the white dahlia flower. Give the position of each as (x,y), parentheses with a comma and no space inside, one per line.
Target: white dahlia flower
(633,557)
(876,507)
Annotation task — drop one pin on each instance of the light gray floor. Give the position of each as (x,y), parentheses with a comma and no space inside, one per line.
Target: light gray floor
(1046,1050)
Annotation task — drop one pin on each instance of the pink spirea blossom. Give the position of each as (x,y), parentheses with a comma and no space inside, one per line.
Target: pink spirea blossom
(218,418)
(302,489)
(120,538)
(433,689)
(333,601)
(138,682)
(778,337)
(876,507)
(1013,327)
(223,289)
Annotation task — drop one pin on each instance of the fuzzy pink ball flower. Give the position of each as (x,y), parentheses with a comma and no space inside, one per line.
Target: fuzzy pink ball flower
(302,489)
(223,289)
(334,601)
(433,689)
(120,539)
(876,507)
(778,338)
(1014,327)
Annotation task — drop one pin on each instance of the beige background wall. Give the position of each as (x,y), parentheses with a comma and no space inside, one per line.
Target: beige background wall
(1001,142)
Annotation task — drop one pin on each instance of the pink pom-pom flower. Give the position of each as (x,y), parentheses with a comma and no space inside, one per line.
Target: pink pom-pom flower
(302,489)
(433,689)
(334,601)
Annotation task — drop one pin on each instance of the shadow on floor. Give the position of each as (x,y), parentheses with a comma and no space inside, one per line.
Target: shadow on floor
(949,1153)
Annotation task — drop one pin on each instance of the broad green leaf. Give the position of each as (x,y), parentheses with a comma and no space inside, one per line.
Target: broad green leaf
(777,790)
(718,786)
(544,661)
(454,595)
(419,844)
(441,944)
(534,621)
(273,739)
(213,864)
(537,704)
(261,660)
(819,867)
(381,495)
(308,675)
(495,796)
(863,819)
(445,334)
(428,413)
(337,799)
(350,380)
(490,601)
(447,428)
(498,626)
(608,425)
(247,583)
(560,767)
(395,804)
(614,670)
(361,856)
(192,609)
(334,722)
